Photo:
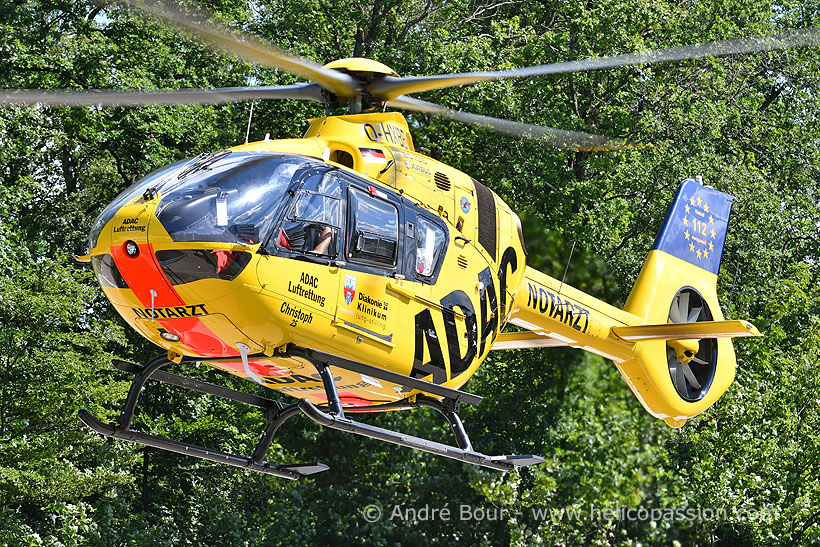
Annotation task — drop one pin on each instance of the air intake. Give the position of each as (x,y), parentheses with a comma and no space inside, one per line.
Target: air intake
(443,181)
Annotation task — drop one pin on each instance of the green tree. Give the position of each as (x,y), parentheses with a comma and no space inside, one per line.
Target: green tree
(746,123)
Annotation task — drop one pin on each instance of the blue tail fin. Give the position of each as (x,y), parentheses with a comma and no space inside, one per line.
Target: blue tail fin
(695,226)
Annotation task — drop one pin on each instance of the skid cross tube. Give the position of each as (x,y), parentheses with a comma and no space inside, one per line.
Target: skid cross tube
(202,387)
(136,387)
(315,356)
(449,409)
(275,419)
(318,357)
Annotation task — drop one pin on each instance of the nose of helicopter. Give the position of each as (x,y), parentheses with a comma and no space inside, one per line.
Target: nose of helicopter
(167,250)
(175,319)
(163,311)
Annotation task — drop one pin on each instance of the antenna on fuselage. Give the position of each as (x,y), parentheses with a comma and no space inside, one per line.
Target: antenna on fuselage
(250,117)
(572,250)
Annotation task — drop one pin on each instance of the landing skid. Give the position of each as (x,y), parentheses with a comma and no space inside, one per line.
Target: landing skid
(332,416)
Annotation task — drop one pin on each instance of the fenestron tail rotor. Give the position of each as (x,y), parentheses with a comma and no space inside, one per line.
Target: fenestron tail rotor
(692,363)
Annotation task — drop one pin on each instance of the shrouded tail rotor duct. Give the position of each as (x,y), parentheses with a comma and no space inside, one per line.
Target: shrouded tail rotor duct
(692,363)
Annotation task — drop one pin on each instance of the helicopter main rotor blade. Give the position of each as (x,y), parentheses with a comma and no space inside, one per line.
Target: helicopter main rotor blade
(390,87)
(107,97)
(568,140)
(252,48)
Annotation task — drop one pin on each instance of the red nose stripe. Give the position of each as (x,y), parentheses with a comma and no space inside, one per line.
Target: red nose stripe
(198,337)
(260,368)
(143,274)
(347,399)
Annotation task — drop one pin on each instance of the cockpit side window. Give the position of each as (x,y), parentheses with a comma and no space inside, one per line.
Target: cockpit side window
(374,234)
(430,242)
(312,226)
(326,184)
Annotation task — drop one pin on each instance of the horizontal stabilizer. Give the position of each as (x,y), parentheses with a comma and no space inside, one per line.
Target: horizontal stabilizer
(523,340)
(686,331)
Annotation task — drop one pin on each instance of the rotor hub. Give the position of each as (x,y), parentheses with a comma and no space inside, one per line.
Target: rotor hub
(360,65)
(364,72)
(685,350)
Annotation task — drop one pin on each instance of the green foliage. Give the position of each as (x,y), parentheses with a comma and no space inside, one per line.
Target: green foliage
(742,473)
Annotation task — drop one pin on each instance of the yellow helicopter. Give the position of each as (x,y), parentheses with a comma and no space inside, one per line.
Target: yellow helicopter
(355,274)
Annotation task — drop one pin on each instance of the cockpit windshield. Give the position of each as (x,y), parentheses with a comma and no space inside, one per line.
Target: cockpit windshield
(152,180)
(235,199)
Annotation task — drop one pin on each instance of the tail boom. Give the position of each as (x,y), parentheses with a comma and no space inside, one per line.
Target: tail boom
(552,309)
